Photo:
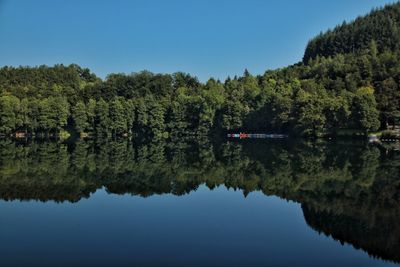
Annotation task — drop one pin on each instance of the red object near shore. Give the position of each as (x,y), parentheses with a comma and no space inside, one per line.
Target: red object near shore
(243,135)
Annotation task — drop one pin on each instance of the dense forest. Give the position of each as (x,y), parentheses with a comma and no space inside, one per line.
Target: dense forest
(347,83)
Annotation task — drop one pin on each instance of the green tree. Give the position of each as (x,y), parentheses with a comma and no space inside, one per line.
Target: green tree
(337,112)
(141,110)
(309,115)
(7,114)
(59,113)
(91,114)
(24,121)
(79,115)
(102,118)
(365,114)
(46,122)
(156,115)
(118,119)
(129,108)
(235,108)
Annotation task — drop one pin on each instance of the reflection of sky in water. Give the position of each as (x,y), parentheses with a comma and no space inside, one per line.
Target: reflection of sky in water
(203,228)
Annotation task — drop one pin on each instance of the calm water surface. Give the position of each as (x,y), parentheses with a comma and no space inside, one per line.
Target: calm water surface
(255,203)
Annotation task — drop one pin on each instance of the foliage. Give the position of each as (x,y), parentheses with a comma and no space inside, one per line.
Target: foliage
(349,81)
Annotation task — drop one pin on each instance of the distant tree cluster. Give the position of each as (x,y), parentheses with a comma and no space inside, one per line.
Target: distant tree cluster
(348,82)
(381,25)
(363,52)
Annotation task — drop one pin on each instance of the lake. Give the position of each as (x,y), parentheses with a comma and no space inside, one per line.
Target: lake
(235,203)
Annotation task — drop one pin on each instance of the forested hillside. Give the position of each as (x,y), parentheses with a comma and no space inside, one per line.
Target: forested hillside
(363,52)
(348,82)
(381,26)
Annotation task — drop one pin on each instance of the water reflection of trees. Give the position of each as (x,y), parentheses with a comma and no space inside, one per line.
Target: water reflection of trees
(347,191)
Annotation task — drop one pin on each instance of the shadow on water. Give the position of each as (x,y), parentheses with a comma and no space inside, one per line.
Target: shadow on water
(348,191)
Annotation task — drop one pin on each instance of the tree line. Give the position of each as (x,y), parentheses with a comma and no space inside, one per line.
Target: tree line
(335,90)
(246,103)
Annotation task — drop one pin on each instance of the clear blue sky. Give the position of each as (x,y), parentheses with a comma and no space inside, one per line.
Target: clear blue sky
(204,37)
